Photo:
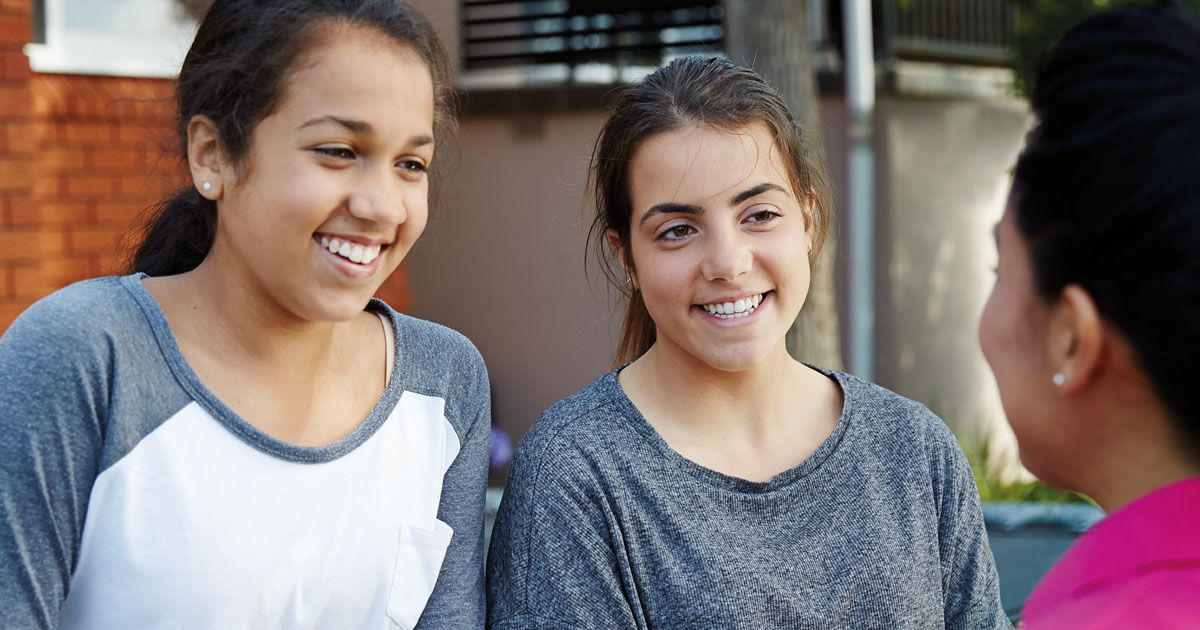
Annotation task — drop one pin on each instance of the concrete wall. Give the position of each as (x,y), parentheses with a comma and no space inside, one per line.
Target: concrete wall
(945,183)
(503,261)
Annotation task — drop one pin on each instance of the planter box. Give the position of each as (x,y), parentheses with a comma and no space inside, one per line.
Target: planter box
(1028,538)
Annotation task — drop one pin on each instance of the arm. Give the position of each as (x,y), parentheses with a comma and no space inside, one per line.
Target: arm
(52,404)
(457,600)
(552,564)
(970,586)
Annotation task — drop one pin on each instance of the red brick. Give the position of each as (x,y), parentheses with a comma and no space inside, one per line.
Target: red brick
(17,6)
(18,138)
(15,29)
(89,185)
(65,213)
(62,270)
(20,245)
(5,282)
(116,212)
(48,187)
(46,133)
(58,160)
(15,101)
(92,241)
(9,311)
(22,212)
(115,160)
(14,65)
(141,136)
(16,175)
(26,281)
(87,134)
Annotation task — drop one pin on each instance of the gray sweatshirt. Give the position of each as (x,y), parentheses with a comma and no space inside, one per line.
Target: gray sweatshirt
(604,526)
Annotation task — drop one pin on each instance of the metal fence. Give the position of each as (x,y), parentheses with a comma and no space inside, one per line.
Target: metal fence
(958,31)
(514,34)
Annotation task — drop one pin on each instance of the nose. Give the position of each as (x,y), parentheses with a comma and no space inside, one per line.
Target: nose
(378,199)
(727,256)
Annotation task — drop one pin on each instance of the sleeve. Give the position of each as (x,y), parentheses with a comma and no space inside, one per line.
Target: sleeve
(457,600)
(552,564)
(52,405)
(970,585)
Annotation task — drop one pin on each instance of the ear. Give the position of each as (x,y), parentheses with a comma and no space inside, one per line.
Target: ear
(206,157)
(1076,338)
(614,241)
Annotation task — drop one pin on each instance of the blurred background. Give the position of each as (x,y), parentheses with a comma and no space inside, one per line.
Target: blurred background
(918,105)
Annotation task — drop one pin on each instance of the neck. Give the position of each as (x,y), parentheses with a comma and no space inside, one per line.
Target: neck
(747,402)
(224,312)
(1137,450)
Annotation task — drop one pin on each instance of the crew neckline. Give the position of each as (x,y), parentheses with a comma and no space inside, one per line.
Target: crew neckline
(783,480)
(244,430)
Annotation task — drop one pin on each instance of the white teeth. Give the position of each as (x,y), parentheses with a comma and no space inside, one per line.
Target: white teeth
(354,252)
(730,310)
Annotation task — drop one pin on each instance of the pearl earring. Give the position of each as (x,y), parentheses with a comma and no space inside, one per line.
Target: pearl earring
(206,185)
(1059,379)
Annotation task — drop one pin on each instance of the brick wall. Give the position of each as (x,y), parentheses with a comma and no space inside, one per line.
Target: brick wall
(20,241)
(81,157)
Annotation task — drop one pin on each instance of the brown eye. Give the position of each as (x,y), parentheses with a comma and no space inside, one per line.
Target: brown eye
(676,232)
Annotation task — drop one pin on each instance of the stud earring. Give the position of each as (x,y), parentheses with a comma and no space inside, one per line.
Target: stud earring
(206,185)
(1059,379)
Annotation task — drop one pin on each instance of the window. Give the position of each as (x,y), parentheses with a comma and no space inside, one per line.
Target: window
(138,38)
(510,43)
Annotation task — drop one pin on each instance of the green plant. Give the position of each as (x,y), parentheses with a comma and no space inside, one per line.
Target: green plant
(992,488)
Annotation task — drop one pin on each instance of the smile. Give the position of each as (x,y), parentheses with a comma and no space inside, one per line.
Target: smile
(353,252)
(733,310)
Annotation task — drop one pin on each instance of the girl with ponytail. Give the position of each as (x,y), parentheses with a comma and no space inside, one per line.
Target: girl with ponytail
(236,435)
(710,480)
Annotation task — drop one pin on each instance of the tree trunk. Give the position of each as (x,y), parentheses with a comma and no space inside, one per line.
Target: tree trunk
(771,36)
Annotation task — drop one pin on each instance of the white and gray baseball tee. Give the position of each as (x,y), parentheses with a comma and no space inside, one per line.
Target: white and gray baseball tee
(131,497)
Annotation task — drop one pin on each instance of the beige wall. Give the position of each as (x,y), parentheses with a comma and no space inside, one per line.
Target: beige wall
(945,187)
(503,262)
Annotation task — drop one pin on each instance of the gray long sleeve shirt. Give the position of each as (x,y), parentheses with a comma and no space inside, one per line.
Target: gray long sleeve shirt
(604,526)
(132,497)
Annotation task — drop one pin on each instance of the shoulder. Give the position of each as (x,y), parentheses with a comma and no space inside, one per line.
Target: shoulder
(893,416)
(580,440)
(433,345)
(435,361)
(75,319)
(590,416)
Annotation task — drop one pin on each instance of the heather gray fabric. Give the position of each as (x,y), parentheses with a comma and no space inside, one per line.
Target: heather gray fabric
(90,371)
(604,526)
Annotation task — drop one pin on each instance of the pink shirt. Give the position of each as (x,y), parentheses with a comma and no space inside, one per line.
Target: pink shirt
(1137,568)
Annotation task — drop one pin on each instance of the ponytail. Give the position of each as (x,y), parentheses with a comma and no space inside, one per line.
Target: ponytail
(179,233)
(637,331)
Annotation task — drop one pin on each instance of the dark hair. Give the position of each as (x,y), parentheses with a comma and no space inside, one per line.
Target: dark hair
(235,74)
(690,91)
(1107,192)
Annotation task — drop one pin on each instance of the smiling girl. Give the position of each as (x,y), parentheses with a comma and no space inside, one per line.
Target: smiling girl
(713,481)
(236,435)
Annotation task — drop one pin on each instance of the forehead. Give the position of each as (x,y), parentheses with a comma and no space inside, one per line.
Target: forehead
(699,163)
(359,73)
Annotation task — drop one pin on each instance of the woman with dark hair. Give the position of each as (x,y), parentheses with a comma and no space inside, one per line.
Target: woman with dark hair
(236,435)
(711,481)
(1094,323)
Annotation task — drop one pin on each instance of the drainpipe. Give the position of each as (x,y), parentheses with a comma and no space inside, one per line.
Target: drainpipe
(860,106)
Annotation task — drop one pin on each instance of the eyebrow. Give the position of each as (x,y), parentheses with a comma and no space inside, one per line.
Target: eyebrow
(362,128)
(357,126)
(684,208)
(754,192)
